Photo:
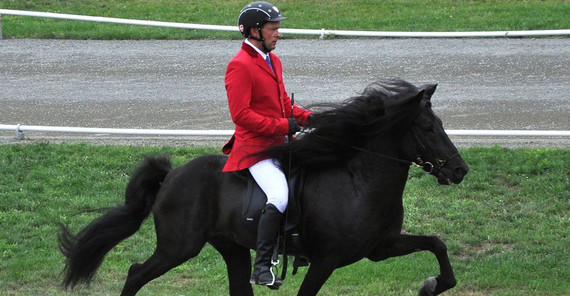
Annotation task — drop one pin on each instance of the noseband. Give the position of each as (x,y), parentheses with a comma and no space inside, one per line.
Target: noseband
(426,165)
(430,167)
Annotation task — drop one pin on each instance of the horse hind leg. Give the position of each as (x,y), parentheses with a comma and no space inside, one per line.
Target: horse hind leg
(319,272)
(161,261)
(238,263)
(406,244)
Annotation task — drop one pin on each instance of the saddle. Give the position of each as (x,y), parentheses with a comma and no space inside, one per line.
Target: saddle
(290,240)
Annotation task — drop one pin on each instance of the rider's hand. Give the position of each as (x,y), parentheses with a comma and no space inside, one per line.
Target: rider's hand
(293,126)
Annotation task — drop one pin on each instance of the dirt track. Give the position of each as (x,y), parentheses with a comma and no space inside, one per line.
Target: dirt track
(483,83)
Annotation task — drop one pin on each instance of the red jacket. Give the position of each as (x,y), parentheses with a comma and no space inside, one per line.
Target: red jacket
(259,107)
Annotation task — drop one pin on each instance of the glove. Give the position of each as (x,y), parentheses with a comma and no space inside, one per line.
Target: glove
(311,117)
(293,126)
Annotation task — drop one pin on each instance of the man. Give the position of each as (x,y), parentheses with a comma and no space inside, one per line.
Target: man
(261,110)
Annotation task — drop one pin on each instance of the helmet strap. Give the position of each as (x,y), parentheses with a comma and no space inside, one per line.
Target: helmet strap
(260,39)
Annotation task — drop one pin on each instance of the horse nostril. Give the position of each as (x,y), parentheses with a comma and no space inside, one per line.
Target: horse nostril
(461,171)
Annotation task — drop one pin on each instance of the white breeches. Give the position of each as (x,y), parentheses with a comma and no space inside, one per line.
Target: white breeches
(269,176)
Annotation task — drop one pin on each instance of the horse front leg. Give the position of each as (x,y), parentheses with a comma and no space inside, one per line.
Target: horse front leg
(405,244)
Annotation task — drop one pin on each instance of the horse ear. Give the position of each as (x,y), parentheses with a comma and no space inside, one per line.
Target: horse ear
(420,95)
(429,89)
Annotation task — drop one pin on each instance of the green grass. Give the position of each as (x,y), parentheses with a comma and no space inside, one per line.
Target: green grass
(396,15)
(506,225)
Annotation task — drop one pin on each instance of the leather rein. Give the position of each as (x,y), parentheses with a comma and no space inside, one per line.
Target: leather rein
(418,162)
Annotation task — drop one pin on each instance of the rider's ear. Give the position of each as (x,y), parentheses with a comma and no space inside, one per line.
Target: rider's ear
(254,32)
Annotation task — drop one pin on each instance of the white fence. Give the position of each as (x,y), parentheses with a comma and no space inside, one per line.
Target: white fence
(20,129)
(320,32)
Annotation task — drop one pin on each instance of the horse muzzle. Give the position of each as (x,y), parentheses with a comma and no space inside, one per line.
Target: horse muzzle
(454,175)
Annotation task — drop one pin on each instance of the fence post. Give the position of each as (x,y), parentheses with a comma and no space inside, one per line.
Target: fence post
(1,27)
(19,133)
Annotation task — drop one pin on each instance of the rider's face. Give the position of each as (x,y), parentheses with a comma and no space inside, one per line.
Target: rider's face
(270,33)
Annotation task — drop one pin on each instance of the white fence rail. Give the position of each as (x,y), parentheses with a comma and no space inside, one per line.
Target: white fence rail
(321,33)
(21,129)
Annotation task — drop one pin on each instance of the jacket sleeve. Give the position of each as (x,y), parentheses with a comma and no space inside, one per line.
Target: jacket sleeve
(299,113)
(239,82)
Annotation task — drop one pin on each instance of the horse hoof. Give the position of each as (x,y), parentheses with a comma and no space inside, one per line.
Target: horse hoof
(428,287)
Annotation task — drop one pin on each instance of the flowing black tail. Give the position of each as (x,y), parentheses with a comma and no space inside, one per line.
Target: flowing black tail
(86,250)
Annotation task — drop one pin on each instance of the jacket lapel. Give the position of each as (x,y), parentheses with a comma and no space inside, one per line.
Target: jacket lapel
(259,60)
(263,64)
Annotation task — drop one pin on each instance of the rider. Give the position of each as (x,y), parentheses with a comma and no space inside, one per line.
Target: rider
(261,111)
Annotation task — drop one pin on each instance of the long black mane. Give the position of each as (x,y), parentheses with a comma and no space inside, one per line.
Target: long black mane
(385,108)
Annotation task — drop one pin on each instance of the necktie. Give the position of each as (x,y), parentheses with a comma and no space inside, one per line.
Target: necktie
(268,60)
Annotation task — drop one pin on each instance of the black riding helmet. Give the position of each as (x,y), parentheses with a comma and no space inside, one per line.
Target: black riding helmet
(255,15)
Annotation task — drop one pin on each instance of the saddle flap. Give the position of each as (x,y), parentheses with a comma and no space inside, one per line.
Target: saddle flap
(254,201)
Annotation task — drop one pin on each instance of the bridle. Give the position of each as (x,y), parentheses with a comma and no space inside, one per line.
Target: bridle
(427,166)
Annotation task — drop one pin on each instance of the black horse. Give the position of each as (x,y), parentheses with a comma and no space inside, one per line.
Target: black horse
(356,157)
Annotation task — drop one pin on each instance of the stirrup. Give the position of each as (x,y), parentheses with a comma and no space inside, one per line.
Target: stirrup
(273,284)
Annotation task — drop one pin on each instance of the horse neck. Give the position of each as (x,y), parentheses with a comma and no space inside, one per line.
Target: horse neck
(382,160)
(379,181)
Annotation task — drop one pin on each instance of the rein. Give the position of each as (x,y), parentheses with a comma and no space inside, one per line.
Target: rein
(398,160)
(425,165)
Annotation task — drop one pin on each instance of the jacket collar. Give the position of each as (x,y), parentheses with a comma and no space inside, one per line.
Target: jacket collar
(259,51)
(257,57)
(250,50)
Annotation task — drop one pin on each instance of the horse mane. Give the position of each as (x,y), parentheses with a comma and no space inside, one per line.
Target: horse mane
(385,108)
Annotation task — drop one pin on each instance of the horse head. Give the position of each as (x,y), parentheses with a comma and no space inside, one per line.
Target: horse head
(426,143)
(389,113)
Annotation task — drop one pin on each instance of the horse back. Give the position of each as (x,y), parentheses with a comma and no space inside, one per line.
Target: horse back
(198,197)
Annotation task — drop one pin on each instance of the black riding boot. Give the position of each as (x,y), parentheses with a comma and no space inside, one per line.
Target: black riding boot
(267,232)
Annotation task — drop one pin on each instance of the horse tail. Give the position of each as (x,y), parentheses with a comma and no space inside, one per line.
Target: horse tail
(86,250)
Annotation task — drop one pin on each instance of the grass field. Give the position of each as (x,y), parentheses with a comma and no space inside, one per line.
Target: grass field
(506,226)
(395,15)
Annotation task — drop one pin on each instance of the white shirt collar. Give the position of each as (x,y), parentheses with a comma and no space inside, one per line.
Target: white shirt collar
(263,55)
